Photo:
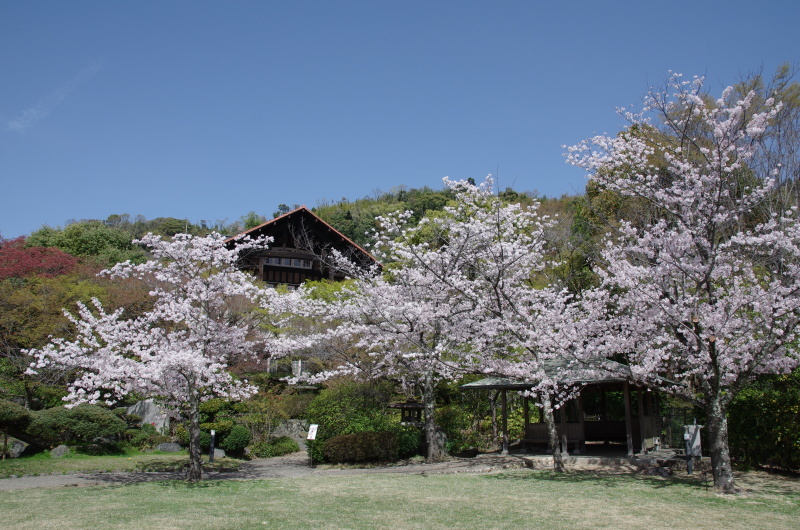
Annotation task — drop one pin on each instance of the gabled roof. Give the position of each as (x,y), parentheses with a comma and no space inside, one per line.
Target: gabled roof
(304,215)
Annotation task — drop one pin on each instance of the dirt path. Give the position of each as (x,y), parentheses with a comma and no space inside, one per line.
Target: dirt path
(297,465)
(288,466)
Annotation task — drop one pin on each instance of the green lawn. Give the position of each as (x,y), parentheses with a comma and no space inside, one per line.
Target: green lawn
(509,500)
(43,464)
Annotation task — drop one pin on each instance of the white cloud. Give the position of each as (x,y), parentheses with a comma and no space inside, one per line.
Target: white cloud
(36,113)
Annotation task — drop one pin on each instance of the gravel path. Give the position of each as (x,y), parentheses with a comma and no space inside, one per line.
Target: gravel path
(288,466)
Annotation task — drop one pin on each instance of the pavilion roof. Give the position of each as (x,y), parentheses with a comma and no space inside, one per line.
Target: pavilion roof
(567,373)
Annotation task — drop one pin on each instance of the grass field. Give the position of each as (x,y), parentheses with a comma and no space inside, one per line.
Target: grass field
(509,500)
(43,464)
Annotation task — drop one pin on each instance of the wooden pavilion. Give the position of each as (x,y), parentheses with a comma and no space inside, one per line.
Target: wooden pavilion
(607,408)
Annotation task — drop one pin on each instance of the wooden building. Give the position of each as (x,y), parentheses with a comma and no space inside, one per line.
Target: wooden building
(300,250)
(607,408)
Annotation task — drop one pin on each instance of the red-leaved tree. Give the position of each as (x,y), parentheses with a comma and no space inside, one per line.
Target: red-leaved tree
(19,261)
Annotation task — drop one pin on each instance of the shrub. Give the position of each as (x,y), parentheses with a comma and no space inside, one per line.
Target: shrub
(236,440)
(349,408)
(454,421)
(13,416)
(205,438)
(146,437)
(295,405)
(362,447)
(764,421)
(409,441)
(282,445)
(222,427)
(133,420)
(80,425)
(91,422)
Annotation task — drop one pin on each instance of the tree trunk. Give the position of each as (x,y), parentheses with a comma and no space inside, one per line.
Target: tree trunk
(436,450)
(718,446)
(555,443)
(195,472)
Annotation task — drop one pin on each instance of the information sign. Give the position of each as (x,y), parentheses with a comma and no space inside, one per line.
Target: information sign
(312,431)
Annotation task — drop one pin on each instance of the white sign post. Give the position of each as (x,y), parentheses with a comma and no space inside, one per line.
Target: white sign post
(211,451)
(312,435)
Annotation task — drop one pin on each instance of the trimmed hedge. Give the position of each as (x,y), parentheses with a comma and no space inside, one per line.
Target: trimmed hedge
(79,425)
(362,447)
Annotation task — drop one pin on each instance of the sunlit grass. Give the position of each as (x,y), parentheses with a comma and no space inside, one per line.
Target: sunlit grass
(509,500)
(44,464)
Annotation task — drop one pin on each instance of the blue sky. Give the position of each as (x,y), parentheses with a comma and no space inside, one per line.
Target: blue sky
(209,110)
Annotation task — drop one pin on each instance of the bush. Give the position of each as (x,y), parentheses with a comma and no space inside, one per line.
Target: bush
(349,408)
(13,416)
(221,427)
(764,423)
(455,423)
(362,447)
(280,446)
(409,441)
(146,437)
(80,425)
(205,438)
(236,440)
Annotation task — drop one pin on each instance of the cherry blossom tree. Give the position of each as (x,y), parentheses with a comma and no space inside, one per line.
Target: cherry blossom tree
(457,295)
(179,351)
(705,292)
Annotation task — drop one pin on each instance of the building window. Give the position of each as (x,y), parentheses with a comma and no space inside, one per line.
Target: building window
(295,263)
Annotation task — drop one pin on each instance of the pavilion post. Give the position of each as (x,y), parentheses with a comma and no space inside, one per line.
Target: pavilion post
(628,419)
(642,430)
(526,410)
(504,403)
(563,411)
(579,403)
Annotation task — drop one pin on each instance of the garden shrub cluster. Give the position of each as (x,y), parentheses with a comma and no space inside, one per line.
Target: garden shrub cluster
(145,437)
(283,445)
(348,408)
(356,425)
(764,423)
(81,425)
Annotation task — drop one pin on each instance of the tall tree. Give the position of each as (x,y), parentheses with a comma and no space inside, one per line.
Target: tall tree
(177,352)
(442,307)
(707,291)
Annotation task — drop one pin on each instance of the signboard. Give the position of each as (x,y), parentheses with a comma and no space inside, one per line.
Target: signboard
(312,431)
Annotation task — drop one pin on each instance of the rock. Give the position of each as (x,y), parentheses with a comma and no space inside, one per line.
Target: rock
(15,448)
(152,414)
(297,430)
(169,447)
(219,453)
(292,428)
(59,451)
